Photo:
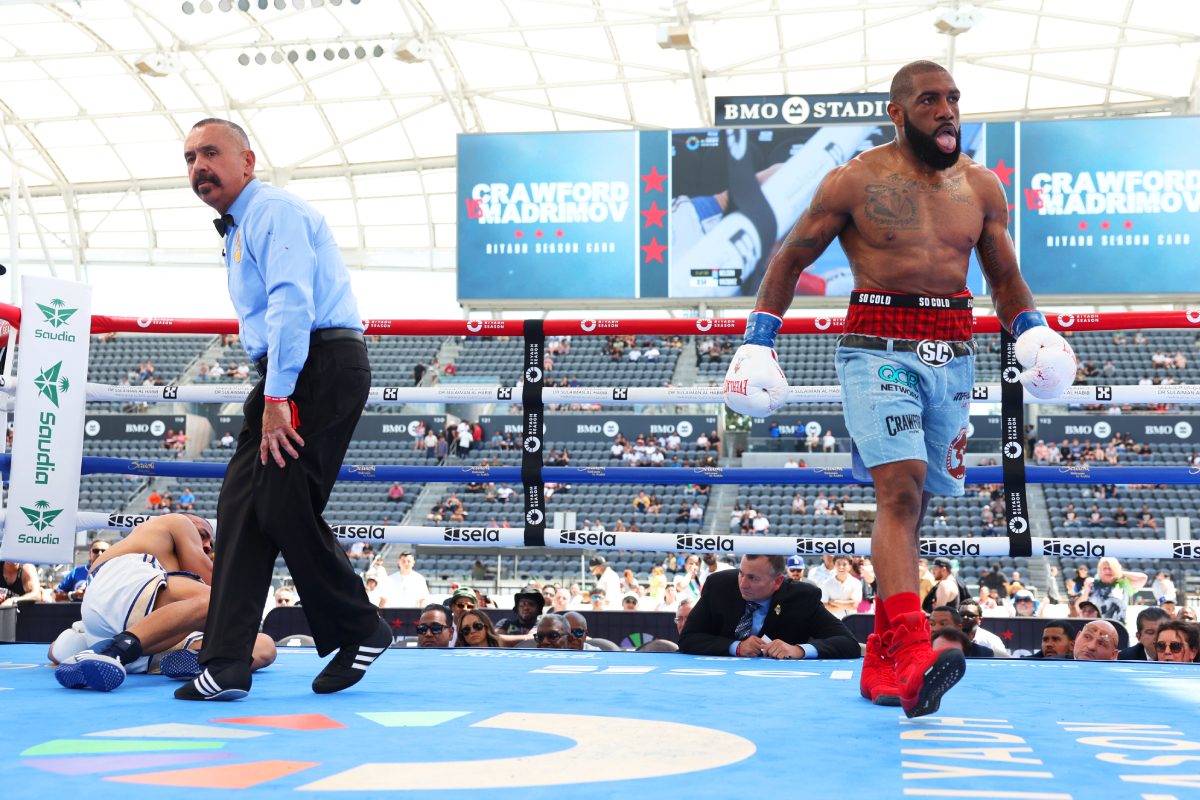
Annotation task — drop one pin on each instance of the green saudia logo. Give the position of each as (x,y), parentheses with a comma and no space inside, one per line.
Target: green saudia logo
(50,384)
(57,315)
(40,516)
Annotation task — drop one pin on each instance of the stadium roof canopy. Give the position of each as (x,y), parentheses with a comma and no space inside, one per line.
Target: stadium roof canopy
(98,95)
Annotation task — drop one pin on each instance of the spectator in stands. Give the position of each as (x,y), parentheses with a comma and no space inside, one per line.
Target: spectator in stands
(949,636)
(629,583)
(284,597)
(243,371)
(431,443)
(820,506)
(828,443)
(475,629)
(202,373)
(606,578)
(1177,642)
(561,600)
(227,441)
(1058,640)
(1139,337)
(1075,583)
(1023,604)
(710,565)
(461,600)
(798,505)
(1096,642)
(434,628)
(1185,614)
(527,606)
(1146,519)
(395,493)
(1158,360)
(641,502)
(1180,360)
(652,354)
(681,614)
(842,591)
(577,625)
(187,500)
(761,525)
(1070,518)
(1095,518)
(598,598)
(669,601)
(1148,621)
(405,588)
(1086,609)
(373,596)
(1112,588)
(74,583)
(629,602)
(1041,452)
(947,589)
(504,493)
(740,611)
(154,501)
(1109,369)
(971,617)
(438,513)
(695,514)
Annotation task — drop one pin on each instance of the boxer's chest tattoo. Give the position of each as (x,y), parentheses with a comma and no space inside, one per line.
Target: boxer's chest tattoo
(895,205)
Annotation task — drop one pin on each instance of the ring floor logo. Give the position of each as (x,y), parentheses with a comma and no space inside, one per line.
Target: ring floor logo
(597,751)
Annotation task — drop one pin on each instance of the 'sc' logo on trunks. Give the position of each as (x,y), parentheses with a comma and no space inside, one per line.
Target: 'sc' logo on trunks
(935,353)
(1066,320)
(588,324)
(822,323)
(703,324)
(1011,375)
(474,325)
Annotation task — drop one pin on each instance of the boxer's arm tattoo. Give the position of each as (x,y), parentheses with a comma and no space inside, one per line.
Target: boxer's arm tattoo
(1010,293)
(818,242)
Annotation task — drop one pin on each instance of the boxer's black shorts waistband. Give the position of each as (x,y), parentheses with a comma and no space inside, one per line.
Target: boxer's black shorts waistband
(966,348)
(898,300)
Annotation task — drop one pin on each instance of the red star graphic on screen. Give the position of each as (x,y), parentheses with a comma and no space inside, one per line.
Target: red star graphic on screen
(1011,206)
(1008,634)
(538,234)
(1082,226)
(1105,225)
(654,215)
(654,250)
(1128,224)
(558,233)
(518,234)
(654,180)
(1002,172)
(397,623)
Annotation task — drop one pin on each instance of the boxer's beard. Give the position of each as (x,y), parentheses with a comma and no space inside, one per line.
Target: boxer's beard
(926,148)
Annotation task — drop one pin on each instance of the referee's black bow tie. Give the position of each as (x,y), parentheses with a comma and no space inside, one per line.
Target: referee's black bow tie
(224,223)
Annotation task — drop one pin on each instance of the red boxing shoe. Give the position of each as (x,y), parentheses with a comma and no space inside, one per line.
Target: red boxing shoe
(922,675)
(878,681)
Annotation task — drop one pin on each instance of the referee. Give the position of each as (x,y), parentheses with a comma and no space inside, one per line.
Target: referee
(299,321)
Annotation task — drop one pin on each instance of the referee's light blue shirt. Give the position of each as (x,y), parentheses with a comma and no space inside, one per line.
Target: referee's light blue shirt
(286,279)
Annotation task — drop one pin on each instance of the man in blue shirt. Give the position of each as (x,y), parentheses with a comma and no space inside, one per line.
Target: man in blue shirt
(74,584)
(299,322)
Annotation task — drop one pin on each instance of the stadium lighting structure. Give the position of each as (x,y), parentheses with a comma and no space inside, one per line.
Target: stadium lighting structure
(159,65)
(675,37)
(412,51)
(958,21)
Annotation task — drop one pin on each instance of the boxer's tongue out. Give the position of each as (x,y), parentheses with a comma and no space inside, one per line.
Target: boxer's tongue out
(946,139)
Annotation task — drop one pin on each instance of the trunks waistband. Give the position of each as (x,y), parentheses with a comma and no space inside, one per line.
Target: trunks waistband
(893,315)
(928,302)
(956,349)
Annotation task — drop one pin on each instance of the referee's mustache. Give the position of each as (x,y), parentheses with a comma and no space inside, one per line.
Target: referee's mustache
(202,177)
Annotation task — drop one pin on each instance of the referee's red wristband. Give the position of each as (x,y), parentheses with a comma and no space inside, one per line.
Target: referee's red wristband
(275,399)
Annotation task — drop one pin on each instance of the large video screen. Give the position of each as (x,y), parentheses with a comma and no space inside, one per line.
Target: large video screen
(700,214)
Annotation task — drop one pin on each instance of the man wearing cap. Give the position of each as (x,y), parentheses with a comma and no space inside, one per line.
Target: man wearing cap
(606,578)
(795,568)
(461,601)
(948,589)
(1024,604)
(528,604)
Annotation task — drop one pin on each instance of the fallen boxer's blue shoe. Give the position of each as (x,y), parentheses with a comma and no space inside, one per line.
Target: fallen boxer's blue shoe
(94,668)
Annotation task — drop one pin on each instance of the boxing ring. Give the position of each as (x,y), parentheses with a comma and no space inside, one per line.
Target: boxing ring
(522,723)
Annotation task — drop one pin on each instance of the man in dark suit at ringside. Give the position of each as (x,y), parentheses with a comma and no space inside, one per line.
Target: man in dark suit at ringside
(756,610)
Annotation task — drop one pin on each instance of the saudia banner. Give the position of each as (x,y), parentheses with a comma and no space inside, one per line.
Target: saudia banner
(48,427)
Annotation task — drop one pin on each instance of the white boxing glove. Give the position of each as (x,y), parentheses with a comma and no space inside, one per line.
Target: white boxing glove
(754,384)
(1048,359)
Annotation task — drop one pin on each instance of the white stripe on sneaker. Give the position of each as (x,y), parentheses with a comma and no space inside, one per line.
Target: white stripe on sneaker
(359,666)
(372,649)
(206,684)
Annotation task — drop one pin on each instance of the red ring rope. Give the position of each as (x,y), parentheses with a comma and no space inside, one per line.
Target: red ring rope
(641,327)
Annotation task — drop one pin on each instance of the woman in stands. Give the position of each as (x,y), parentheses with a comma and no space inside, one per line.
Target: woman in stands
(1112,588)
(1178,641)
(476,630)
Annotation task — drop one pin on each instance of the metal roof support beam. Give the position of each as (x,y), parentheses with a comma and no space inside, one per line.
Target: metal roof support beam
(1066,79)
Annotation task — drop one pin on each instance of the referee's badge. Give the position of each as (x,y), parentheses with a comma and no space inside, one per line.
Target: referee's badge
(237,246)
(777,610)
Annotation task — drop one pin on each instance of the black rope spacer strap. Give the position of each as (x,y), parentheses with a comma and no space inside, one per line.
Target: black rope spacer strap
(1012,448)
(532,431)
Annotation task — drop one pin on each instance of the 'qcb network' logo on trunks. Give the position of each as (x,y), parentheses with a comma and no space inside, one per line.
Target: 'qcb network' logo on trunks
(707,544)
(1061,548)
(898,375)
(832,547)
(935,547)
(471,535)
(587,539)
(358,531)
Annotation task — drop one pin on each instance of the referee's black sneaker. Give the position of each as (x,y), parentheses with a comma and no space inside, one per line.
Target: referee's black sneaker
(350,664)
(223,679)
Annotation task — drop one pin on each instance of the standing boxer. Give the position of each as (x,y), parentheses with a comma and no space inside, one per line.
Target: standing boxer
(299,321)
(907,214)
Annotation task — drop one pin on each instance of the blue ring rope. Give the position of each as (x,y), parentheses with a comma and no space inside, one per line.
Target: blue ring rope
(645,475)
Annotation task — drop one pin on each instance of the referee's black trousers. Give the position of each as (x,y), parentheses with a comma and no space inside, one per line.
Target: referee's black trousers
(267,510)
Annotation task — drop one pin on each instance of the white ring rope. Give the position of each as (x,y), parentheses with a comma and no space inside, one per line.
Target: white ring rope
(455,393)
